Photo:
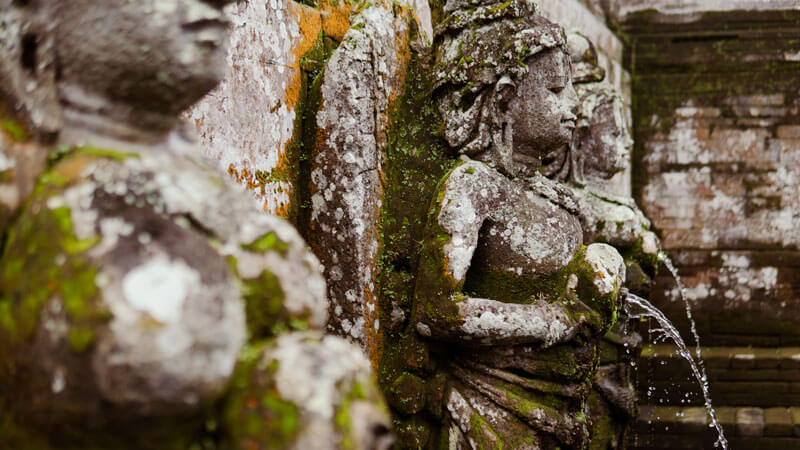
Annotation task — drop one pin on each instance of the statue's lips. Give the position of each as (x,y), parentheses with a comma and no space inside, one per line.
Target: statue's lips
(569,123)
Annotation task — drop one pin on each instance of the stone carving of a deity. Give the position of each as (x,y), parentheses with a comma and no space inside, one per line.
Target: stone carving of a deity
(144,300)
(510,301)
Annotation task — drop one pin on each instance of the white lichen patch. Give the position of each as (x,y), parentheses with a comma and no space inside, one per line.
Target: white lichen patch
(317,373)
(246,123)
(177,316)
(159,288)
(530,232)
(493,322)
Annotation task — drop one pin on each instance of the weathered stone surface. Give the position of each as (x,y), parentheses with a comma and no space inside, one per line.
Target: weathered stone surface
(715,153)
(316,392)
(265,81)
(778,422)
(133,273)
(750,422)
(360,82)
(688,11)
(501,254)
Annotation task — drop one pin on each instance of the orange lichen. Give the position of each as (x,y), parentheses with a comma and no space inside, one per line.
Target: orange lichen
(335,18)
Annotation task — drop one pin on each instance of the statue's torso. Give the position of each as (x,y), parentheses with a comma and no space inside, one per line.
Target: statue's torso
(521,236)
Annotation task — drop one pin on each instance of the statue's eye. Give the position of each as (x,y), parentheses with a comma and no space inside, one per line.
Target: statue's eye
(556,89)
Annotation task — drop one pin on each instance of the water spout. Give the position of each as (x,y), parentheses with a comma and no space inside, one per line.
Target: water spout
(639,308)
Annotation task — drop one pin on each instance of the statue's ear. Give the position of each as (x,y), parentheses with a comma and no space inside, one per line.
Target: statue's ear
(505,90)
(28,68)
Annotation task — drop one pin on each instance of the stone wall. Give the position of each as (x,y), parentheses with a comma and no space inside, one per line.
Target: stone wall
(717,145)
(250,122)
(717,128)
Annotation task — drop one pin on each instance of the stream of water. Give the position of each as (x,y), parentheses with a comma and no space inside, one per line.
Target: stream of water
(641,308)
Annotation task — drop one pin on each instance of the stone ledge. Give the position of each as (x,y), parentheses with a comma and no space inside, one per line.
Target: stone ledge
(783,358)
(672,14)
(745,422)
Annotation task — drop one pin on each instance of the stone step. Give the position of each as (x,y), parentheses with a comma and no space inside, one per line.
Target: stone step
(738,376)
(673,427)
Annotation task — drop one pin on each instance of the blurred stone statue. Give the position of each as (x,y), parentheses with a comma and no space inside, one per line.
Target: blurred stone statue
(144,300)
(600,149)
(511,304)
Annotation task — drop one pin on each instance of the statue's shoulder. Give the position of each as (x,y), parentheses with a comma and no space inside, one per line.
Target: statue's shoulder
(474,182)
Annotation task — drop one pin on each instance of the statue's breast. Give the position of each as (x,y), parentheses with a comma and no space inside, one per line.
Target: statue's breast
(527,236)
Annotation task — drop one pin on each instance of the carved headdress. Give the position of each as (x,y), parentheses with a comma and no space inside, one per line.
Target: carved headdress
(593,92)
(483,47)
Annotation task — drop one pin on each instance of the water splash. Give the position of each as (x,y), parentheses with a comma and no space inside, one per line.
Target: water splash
(639,308)
(664,258)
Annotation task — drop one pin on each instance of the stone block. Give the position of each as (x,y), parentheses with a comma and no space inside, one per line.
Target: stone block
(737,145)
(777,422)
(756,100)
(766,358)
(692,111)
(795,413)
(743,361)
(788,132)
(753,375)
(750,422)
(771,443)
(759,111)
(756,123)
(789,358)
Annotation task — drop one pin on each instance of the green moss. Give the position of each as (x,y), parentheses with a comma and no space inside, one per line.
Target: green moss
(343,419)
(32,275)
(603,427)
(269,241)
(484,436)
(14,436)
(80,339)
(263,297)
(14,129)
(106,153)
(254,413)
(407,393)
(295,164)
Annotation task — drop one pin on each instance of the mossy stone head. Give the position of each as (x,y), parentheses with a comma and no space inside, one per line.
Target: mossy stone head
(157,56)
(486,52)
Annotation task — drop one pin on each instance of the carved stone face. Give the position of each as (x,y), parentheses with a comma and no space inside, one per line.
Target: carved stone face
(608,144)
(154,55)
(541,112)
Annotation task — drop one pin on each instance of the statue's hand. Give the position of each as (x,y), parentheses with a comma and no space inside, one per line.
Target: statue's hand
(598,280)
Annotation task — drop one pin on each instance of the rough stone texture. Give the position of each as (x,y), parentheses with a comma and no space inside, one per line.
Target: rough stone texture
(317,392)
(359,84)
(682,12)
(715,100)
(589,18)
(717,176)
(682,427)
(498,307)
(252,123)
(248,122)
(134,272)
